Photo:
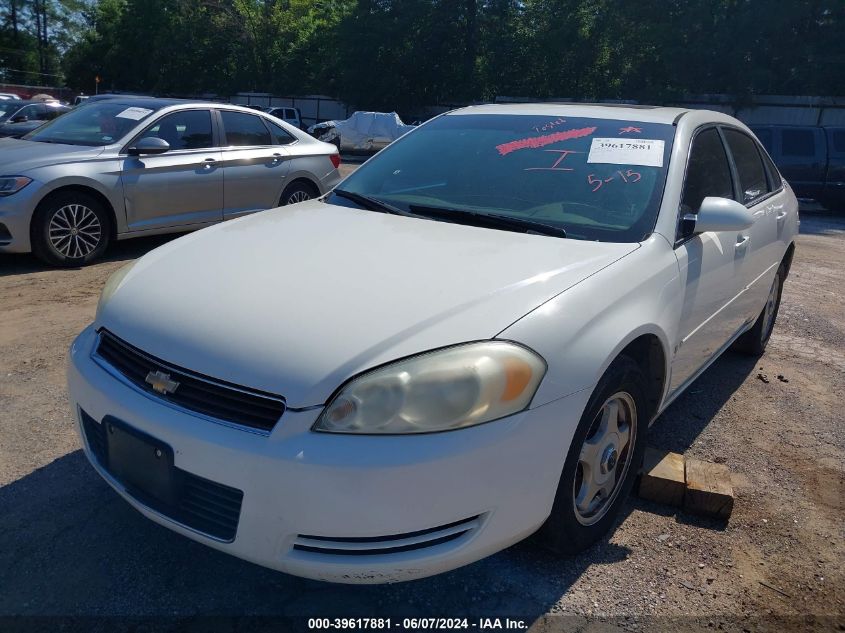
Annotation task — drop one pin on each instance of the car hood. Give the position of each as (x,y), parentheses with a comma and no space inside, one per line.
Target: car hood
(18,156)
(296,300)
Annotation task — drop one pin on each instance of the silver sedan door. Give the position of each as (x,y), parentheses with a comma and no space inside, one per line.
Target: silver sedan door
(255,167)
(183,186)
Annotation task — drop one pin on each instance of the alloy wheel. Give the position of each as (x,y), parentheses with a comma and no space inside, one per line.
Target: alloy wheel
(75,231)
(604,459)
(298,196)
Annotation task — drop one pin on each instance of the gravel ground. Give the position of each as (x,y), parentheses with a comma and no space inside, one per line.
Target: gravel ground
(73,548)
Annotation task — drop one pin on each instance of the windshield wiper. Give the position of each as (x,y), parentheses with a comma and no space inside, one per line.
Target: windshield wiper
(492,220)
(373,204)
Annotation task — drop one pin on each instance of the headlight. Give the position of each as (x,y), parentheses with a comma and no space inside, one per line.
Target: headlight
(438,391)
(12,184)
(112,284)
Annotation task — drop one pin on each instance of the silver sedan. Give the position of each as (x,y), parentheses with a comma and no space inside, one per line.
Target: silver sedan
(125,168)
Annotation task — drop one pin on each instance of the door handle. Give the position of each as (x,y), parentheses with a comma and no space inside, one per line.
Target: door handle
(276,159)
(208,163)
(742,242)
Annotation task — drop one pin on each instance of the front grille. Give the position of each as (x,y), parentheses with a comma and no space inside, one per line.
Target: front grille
(388,544)
(201,394)
(201,504)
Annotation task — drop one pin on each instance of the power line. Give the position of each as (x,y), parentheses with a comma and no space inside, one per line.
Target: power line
(29,72)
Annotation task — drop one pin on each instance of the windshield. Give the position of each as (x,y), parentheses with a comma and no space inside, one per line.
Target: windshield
(94,124)
(8,107)
(598,179)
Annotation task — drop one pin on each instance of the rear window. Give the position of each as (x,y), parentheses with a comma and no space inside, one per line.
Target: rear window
(280,136)
(244,129)
(749,165)
(798,143)
(599,179)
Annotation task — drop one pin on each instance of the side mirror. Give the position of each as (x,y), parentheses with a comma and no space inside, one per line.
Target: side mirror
(149,145)
(20,118)
(719,214)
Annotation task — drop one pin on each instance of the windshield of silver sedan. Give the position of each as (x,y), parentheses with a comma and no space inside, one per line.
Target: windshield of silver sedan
(596,179)
(96,124)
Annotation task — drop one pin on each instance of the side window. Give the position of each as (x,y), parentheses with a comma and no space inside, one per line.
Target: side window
(799,143)
(775,179)
(708,173)
(52,113)
(189,129)
(30,112)
(280,136)
(749,165)
(244,129)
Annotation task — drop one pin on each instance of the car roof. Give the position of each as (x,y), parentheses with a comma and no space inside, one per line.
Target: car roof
(623,112)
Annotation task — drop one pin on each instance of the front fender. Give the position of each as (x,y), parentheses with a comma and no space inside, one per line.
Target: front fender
(581,331)
(106,182)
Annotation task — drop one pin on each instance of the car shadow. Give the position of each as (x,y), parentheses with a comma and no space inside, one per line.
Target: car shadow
(684,420)
(74,547)
(124,250)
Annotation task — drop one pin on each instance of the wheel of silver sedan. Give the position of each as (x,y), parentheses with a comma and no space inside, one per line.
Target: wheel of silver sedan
(75,230)
(298,196)
(604,458)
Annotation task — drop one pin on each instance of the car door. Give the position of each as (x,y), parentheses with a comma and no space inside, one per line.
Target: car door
(711,264)
(254,165)
(758,191)
(184,185)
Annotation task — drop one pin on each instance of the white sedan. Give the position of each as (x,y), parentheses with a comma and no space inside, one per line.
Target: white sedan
(462,344)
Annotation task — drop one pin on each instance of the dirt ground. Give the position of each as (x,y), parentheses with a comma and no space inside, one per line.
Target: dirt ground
(72,548)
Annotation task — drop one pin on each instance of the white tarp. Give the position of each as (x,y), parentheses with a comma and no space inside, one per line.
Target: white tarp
(366,131)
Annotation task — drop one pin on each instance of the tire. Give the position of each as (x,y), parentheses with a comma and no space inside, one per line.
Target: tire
(298,191)
(754,341)
(70,229)
(582,514)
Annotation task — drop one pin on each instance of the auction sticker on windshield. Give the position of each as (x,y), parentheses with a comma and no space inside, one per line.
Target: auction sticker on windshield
(136,114)
(626,151)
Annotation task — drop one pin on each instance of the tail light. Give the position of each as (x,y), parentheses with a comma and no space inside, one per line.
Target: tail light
(335,160)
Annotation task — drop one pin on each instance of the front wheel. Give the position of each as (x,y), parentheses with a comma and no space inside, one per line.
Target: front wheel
(754,341)
(602,462)
(70,229)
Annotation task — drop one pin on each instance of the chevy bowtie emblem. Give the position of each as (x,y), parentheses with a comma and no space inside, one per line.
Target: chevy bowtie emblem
(161,383)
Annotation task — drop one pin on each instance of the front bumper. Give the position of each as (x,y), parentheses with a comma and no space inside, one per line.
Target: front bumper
(15,217)
(496,482)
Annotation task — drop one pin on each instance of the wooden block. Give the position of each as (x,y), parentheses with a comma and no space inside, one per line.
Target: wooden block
(709,489)
(663,477)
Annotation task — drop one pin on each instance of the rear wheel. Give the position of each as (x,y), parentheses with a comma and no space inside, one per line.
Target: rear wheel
(299,191)
(70,229)
(754,341)
(602,463)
